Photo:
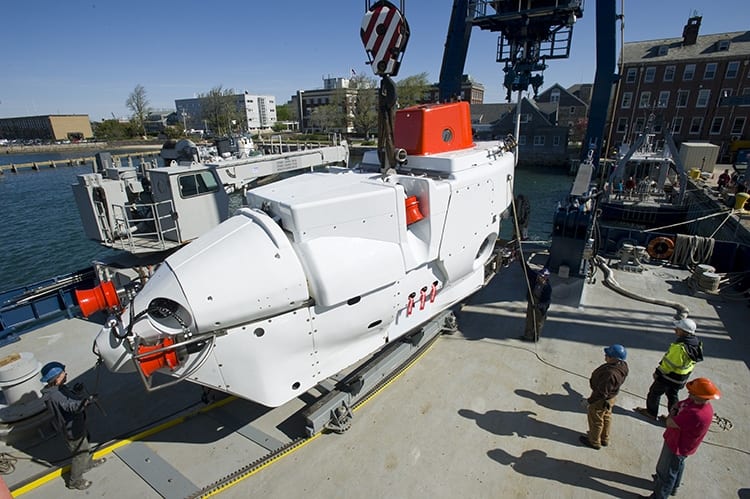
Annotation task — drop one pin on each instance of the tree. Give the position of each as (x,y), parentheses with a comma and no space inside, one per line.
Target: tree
(365,107)
(326,118)
(138,103)
(284,113)
(111,130)
(220,109)
(412,90)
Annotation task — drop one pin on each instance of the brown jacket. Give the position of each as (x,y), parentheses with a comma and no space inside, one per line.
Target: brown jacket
(606,380)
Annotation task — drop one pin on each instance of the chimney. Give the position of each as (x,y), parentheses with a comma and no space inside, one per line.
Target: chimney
(690,31)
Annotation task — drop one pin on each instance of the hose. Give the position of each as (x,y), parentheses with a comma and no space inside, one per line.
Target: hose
(612,283)
(690,251)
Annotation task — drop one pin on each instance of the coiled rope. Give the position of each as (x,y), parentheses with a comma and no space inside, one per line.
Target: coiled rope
(690,251)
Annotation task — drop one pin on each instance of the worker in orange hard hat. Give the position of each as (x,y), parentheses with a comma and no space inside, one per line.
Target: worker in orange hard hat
(687,424)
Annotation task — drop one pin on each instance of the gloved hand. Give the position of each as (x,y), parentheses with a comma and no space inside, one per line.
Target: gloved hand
(91,399)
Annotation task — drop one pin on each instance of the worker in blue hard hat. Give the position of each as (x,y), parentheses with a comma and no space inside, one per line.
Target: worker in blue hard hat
(68,408)
(605,383)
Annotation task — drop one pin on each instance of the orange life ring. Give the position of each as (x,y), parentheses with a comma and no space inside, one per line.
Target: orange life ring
(660,248)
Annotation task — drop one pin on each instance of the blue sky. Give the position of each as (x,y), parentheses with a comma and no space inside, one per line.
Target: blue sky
(85,57)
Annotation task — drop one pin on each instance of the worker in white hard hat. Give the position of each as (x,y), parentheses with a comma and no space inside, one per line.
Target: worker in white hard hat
(674,369)
(68,408)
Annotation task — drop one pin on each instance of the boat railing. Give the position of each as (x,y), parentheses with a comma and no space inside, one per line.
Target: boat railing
(133,221)
(23,307)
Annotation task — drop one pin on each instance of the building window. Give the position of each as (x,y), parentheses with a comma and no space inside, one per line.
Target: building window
(669,73)
(538,140)
(645,100)
(716,125)
(682,98)
(522,140)
(703,95)
(710,71)
(622,125)
(676,125)
(556,140)
(630,76)
(663,99)
(663,50)
(732,70)
(639,122)
(689,72)
(525,118)
(627,98)
(738,126)
(554,96)
(572,110)
(650,75)
(695,125)
(723,45)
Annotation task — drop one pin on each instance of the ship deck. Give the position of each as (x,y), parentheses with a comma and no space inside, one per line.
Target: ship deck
(480,414)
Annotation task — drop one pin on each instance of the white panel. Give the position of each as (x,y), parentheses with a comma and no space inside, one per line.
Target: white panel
(340,268)
(264,368)
(242,270)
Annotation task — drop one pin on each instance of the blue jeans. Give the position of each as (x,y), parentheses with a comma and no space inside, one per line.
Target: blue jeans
(668,473)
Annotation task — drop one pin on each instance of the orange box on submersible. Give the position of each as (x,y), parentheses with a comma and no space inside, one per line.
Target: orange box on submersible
(433,128)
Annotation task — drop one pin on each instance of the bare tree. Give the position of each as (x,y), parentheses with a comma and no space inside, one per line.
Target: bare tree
(138,103)
(219,109)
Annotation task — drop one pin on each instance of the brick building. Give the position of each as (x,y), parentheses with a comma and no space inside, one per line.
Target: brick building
(697,85)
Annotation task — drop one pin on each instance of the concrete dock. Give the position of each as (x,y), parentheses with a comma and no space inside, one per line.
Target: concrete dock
(480,414)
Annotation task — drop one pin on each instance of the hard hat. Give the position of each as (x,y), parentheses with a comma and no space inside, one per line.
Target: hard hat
(544,273)
(51,370)
(703,388)
(616,351)
(687,325)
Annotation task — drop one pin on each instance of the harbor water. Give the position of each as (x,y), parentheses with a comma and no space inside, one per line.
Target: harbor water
(41,234)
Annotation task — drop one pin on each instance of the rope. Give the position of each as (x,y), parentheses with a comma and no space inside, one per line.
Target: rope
(692,250)
(698,219)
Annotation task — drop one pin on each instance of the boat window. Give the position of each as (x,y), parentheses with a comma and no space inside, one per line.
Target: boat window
(197,183)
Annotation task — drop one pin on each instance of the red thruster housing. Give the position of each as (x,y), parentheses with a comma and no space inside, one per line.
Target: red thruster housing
(433,128)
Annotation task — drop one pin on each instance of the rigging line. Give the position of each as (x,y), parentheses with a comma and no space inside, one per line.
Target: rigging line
(686,222)
(720,225)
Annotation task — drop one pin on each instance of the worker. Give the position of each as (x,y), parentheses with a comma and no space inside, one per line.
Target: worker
(724,179)
(687,425)
(630,187)
(68,408)
(674,369)
(605,383)
(539,297)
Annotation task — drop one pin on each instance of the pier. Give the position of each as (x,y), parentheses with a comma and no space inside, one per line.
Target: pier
(130,159)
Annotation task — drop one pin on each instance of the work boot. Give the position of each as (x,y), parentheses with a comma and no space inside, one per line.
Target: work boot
(80,484)
(95,463)
(644,412)
(585,441)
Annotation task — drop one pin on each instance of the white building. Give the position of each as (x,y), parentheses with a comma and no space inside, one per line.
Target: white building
(258,111)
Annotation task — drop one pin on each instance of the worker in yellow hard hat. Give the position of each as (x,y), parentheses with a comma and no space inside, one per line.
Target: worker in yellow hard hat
(687,425)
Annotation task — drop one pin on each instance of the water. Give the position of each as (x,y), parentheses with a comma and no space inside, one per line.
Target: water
(41,234)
